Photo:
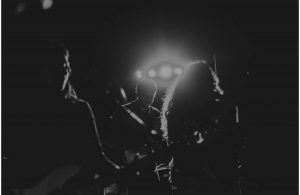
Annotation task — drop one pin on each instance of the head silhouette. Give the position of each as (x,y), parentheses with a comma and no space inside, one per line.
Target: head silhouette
(146,91)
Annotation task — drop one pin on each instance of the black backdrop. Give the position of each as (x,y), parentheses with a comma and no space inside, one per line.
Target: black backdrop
(256,43)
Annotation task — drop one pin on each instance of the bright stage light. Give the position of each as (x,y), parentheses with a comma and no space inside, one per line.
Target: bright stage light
(138,74)
(47,4)
(165,72)
(178,71)
(152,73)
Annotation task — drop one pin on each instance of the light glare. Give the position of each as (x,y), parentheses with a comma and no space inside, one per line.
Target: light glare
(165,72)
(47,4)
(178,71)
(138,74)
(152,73)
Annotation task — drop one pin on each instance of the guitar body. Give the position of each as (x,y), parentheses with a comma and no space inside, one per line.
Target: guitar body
(52,183)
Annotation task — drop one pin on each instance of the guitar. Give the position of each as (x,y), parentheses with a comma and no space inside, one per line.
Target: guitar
(63,180)
(53,182)
(152,152)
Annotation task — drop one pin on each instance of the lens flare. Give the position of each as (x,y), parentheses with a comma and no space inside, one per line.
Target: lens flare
(165,72)
(138,74)
(152,73)
(178,71)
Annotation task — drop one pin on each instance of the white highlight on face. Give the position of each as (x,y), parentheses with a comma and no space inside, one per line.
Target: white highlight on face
(66,79)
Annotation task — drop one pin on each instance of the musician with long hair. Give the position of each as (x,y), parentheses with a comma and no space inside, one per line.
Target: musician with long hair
(192,108)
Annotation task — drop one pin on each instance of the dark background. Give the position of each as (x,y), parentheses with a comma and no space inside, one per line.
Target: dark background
(256,44)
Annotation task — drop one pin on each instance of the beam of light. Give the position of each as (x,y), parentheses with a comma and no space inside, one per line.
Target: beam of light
(165,72)
(138,74)
(47,4)
(162,51)
(152,73)
(178,71)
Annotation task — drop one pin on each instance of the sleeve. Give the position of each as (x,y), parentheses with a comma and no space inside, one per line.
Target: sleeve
(101,161)
(113,134)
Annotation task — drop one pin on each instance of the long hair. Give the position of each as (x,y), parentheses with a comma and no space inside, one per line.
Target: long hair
(176,98)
